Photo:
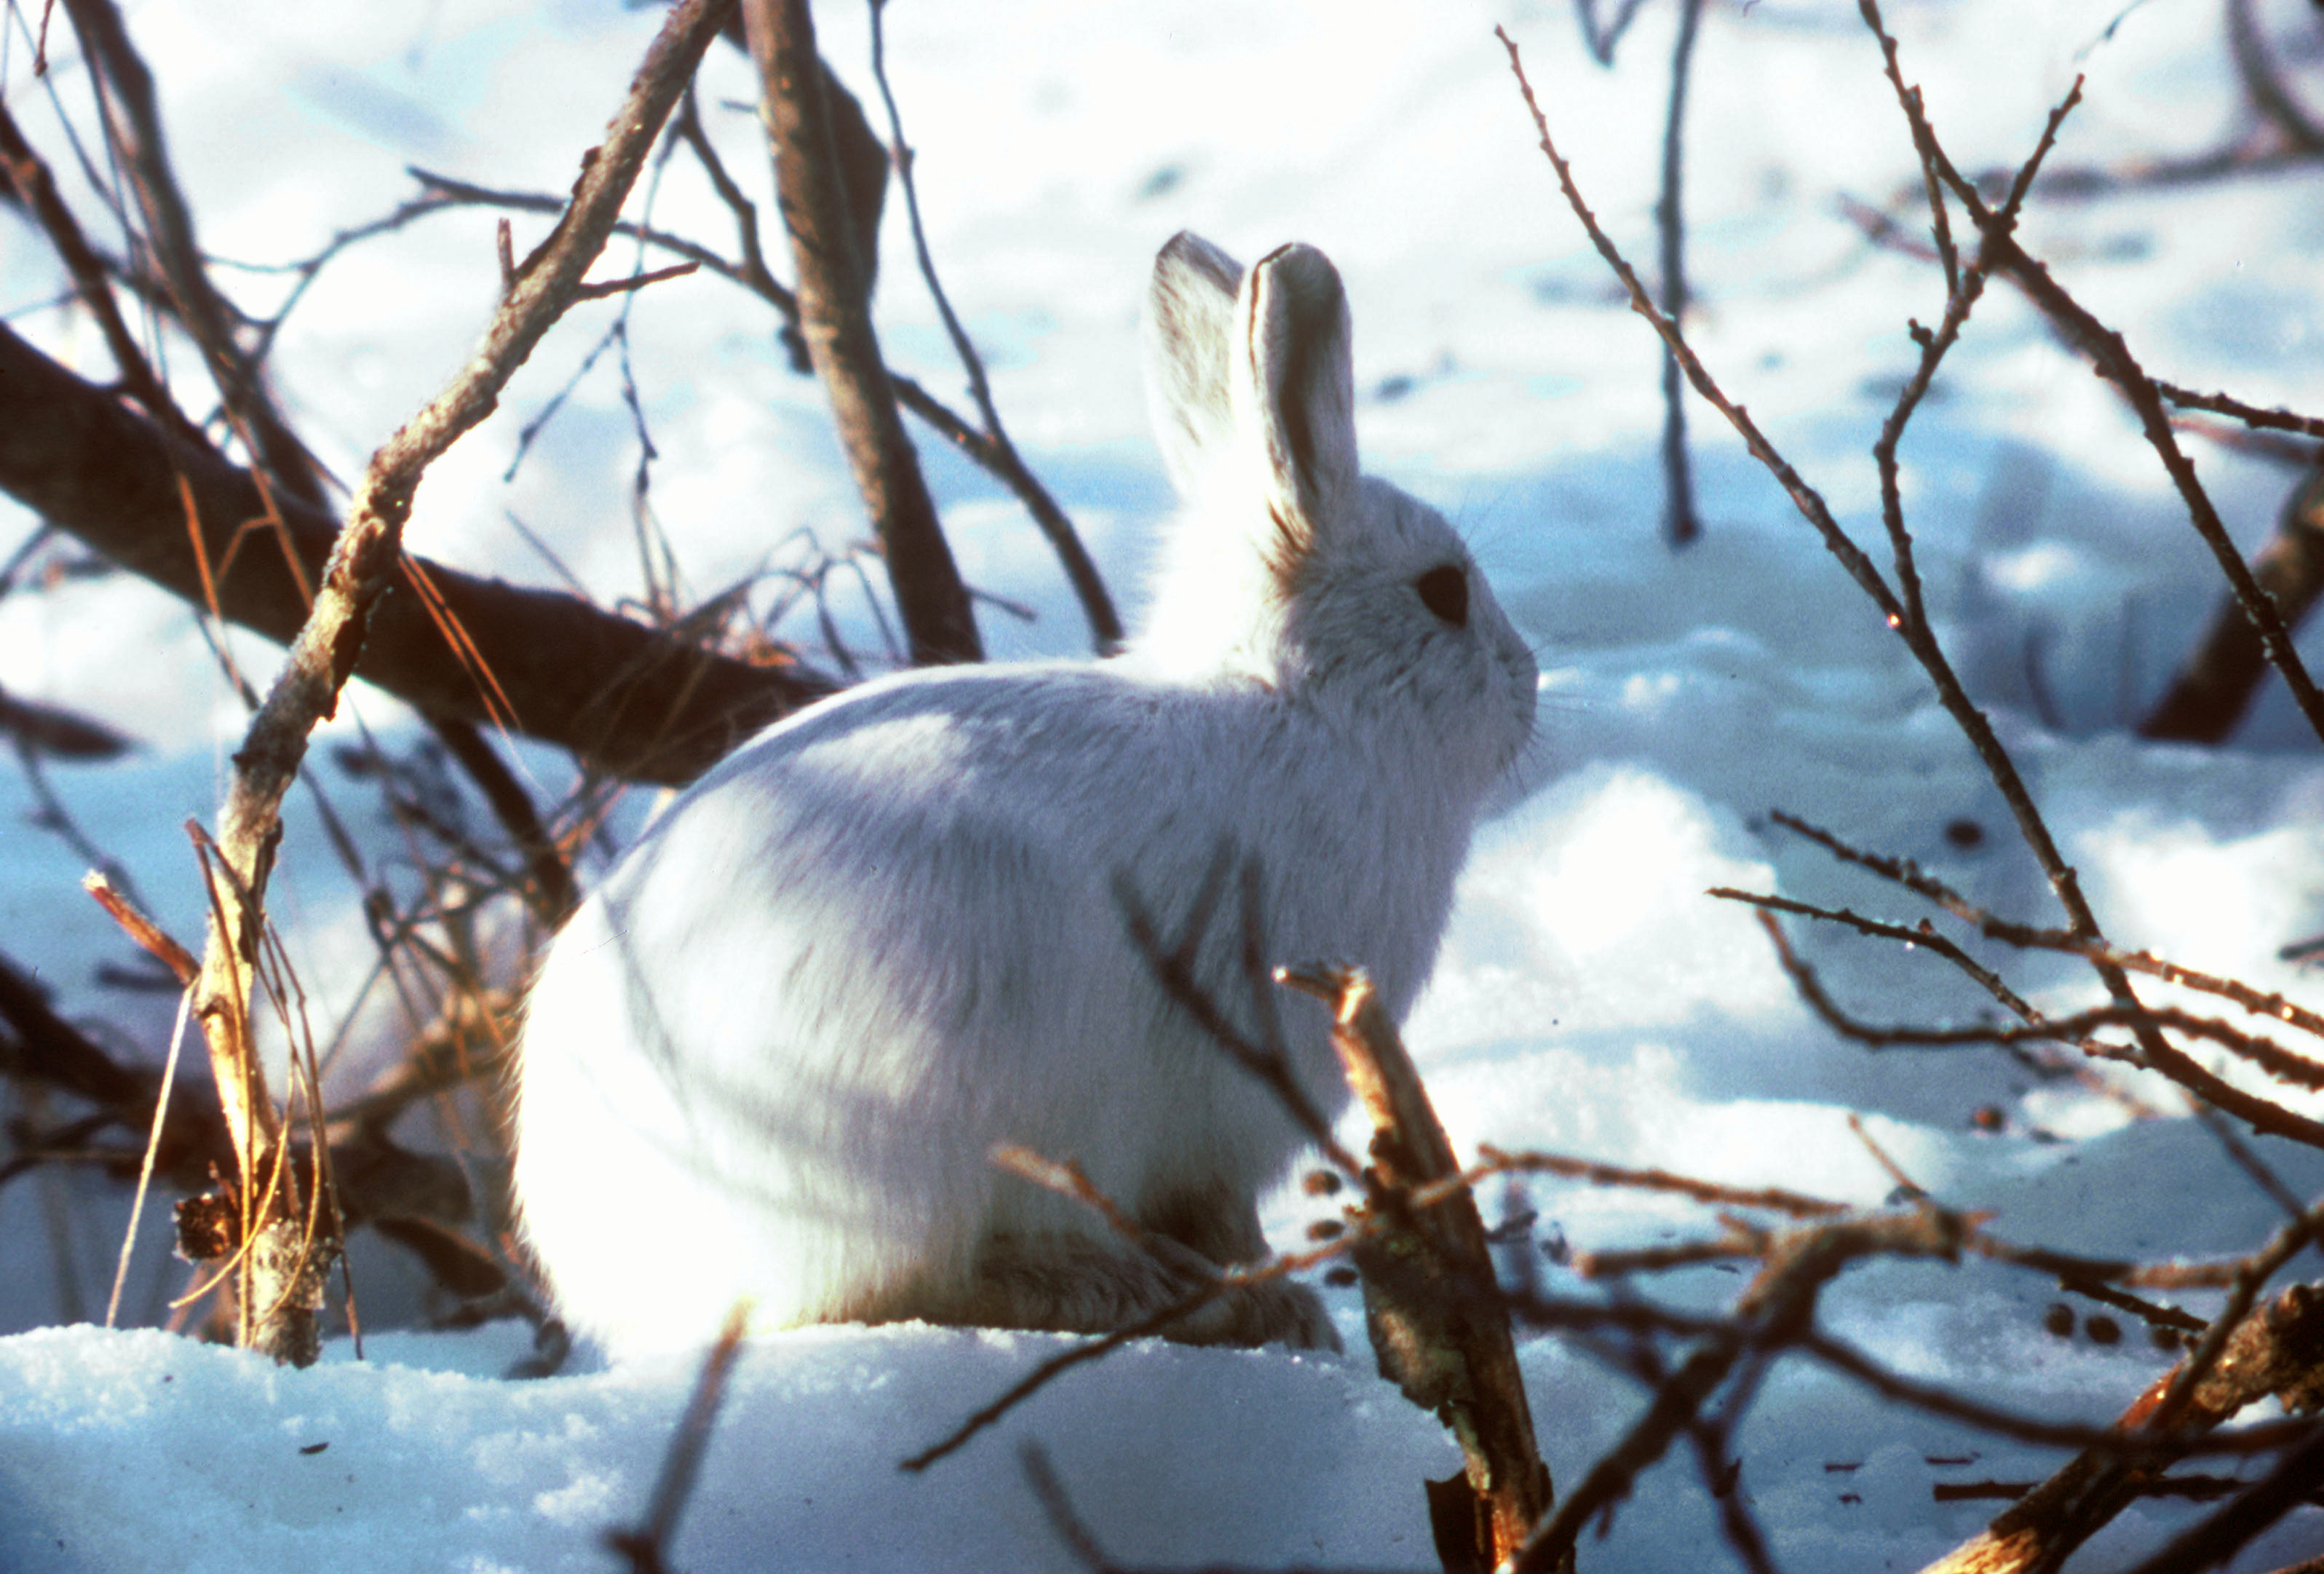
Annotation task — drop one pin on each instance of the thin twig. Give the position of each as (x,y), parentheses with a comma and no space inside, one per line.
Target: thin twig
(1878,929)
(1174,969)
(2287,1065)
(977,446)
(2251,415)
(1634,1315)
(1497,1162)
(1066,1178)
(1059,1509)
(1600,38)
(152,1150)
(636,282)
(150,936)
(1904,871)
(1075,1533)
(2111,356)
(2152,1052)
(443,192)
(647,1547)
(1962,291)
(753,271)
(35,188)
(1089,586)
(1042,1375)
(133,119)
(551,891)
(1779,1304)
(1918,637)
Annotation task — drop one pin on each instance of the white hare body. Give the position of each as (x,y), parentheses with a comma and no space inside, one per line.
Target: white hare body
(770,1057)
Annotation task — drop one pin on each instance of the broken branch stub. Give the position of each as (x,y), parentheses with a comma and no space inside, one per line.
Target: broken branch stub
(1435,1313)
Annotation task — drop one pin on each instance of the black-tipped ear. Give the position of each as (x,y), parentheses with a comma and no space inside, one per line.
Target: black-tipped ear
(1295,383)
(1190,314)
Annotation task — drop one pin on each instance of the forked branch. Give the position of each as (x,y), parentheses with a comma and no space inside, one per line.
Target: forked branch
(364,562)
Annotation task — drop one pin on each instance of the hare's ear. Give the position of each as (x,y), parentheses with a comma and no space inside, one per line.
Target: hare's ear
(1292,376)
(1190,314)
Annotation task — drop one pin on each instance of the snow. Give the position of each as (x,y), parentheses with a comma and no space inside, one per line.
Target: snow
(420,1458)
(1590,999)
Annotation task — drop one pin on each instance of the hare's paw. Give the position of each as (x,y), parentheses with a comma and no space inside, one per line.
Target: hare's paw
(1071,1284)
(1275,1313)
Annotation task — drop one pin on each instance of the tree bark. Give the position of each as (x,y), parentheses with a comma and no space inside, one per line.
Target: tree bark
(1430,1304)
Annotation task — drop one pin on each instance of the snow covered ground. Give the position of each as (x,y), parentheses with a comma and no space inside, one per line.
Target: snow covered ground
(1591,998)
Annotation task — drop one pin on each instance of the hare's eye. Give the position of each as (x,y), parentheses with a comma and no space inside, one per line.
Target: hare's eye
(1444,591)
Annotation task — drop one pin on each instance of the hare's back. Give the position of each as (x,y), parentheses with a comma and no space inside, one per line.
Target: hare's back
(940,851)
(1004,764)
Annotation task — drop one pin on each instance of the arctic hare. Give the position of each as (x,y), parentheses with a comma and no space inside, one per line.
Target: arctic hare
(770,1057)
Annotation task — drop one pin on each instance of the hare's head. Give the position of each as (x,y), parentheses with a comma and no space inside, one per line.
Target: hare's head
(1291,567)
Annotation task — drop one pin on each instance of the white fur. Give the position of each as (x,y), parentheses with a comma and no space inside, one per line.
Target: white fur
(770,1057)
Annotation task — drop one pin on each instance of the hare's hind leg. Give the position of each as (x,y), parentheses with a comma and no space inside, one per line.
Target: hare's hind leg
(1217,1226)
(1073,1284)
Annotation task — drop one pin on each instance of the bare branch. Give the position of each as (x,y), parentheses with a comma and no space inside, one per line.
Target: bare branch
(2276,105)
(1067,1178)
(1962,291)
(552,893)
(1904,871)
(1918,637)
(612,287)
(38,729)
(2251,415)
(2152,1052)
(363,563)
(638,702)
(2111,356)
(647,1547)
(2217,686)
(2207,1545)
(1920,935)
(440,192)
(134,127)
(1789,1202)
(835,319)
(1080,1540)
(2280,1350)
(1173,967)
(1040,1376)
(1600,37)
(977,446)
(149,936)
(1680,526)
(30,184)
(1777,1308)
